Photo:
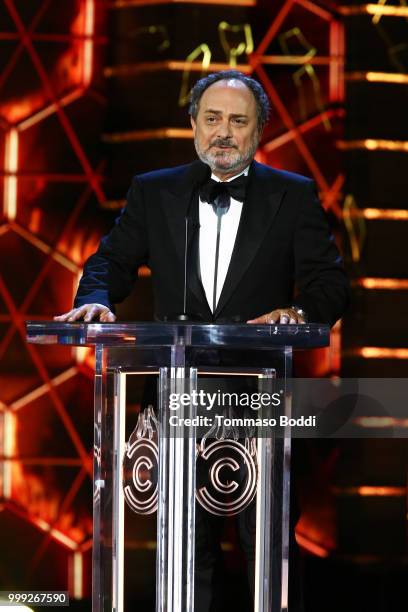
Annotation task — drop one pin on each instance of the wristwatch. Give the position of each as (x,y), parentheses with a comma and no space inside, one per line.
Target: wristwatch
(299,311)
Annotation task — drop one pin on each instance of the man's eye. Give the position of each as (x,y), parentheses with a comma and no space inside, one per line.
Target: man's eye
(240,121)
(211,119)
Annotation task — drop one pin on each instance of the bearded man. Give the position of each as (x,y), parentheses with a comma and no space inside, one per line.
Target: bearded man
(227,239)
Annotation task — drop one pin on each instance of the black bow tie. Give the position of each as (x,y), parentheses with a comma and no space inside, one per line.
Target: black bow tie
(211,190)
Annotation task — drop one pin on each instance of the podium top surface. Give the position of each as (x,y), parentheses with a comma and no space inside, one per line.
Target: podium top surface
(142,334)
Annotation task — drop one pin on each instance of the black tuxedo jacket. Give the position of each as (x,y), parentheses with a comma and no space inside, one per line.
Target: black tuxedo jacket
(284,252)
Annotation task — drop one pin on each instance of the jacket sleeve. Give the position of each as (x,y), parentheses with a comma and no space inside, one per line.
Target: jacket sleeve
(109,275)
(323,290)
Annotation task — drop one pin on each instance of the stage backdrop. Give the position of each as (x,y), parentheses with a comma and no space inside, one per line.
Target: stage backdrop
(92,92)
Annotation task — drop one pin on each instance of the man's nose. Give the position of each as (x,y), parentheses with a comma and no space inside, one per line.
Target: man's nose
(224,129)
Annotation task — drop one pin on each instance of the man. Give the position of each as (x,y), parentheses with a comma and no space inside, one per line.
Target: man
(250,244)
(273,238)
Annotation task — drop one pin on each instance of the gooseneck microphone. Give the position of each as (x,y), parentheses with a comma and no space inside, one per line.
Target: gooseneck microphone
(185,264)
(198,175)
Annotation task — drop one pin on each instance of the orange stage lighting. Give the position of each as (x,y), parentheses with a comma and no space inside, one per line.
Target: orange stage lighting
(42,246)
(127,3)
(113,204)
(369,491)
(382,283)
(336,67)
(374,9)
(389,214)
(8,450)
(311,547)
(314,8)
(10,168)
(43,389)
(75,575)
(159,134)
(144,271)
(89,25)
(283,60)
(378,352)
(302,128)
(378,77)
(49,110)
(381,422)
(373,144)
(129,69)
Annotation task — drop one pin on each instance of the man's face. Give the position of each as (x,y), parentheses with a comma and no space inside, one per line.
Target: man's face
(226,133)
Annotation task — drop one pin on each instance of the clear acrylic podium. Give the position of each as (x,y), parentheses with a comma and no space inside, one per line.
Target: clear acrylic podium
(155,470)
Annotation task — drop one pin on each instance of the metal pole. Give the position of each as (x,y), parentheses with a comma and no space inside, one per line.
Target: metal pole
(118,519)
(176,498)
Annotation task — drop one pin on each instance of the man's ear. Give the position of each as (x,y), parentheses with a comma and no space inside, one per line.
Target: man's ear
(193,125)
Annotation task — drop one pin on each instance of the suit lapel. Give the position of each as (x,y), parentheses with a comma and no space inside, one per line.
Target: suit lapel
(176,209)
(181,203)
(259,209)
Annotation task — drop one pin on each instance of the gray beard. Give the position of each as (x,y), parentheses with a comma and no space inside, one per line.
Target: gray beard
(241,161)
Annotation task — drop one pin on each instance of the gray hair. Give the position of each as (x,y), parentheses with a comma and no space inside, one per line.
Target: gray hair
(262,103)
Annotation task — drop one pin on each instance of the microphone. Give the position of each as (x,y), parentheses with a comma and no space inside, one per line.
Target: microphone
(185,267)
(198,175)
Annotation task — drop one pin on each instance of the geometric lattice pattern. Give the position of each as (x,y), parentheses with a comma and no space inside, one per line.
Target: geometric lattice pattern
(300,62)
(51,114)
(307,95)
(50,110)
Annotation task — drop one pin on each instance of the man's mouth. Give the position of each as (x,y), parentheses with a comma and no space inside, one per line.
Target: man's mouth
(223,146)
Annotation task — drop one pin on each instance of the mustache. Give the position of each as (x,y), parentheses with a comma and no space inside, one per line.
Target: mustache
(222,142)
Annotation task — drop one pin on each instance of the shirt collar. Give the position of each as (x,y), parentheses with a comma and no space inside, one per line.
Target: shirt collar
(244,172)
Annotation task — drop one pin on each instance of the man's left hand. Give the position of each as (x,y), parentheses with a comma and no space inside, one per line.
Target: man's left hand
(280,315)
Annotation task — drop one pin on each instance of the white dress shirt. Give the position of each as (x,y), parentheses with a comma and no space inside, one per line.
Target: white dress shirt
(208,239)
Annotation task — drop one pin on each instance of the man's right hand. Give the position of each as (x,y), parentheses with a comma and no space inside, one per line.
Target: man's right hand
(88,312)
